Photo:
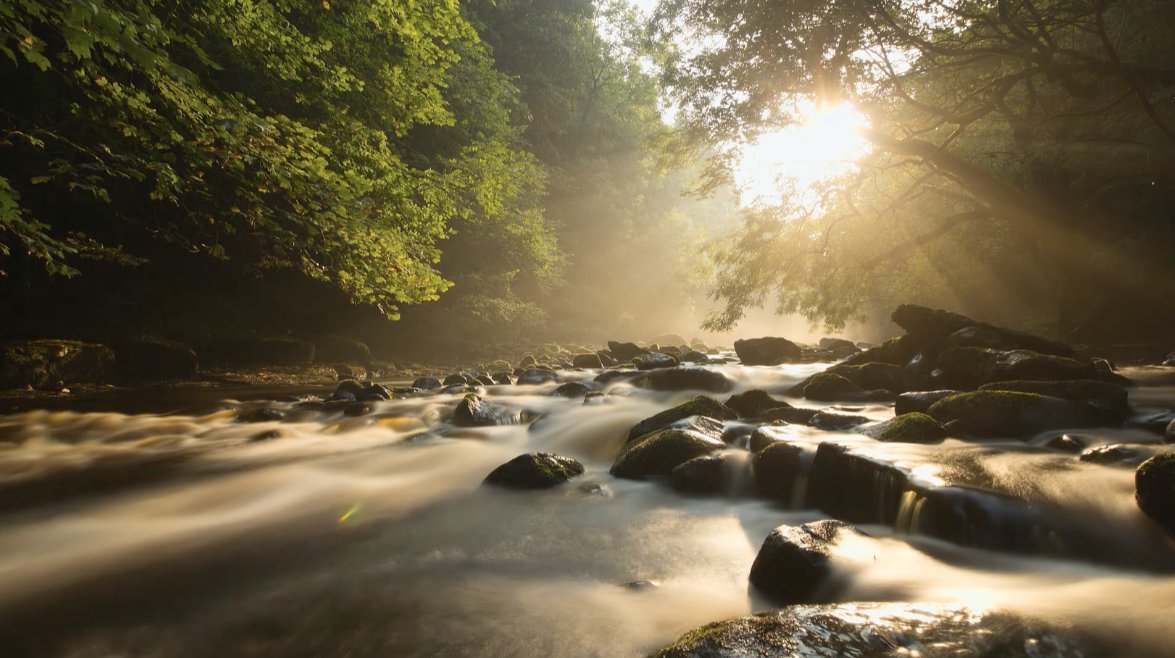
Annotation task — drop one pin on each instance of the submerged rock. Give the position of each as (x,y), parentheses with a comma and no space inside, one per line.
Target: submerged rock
(767,351)
(1154,485)
(835,422)
(794,564)
(1009,414)
(1066,443)
(795,415)
(682,378)
(908,428)
(657,454)
(877,630)
(536,470)
(753,403)
(1114,454)
(698,406)
(1169,433)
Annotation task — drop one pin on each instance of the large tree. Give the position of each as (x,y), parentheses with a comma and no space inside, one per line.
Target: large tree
(1024,150)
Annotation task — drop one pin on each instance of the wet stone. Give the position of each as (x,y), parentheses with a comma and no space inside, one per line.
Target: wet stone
(794,564)
(1114,455)
(536,470)
(426,383)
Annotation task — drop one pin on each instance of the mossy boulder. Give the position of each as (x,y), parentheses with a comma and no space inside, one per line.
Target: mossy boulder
(754,403)
(588,360)
(767,351)
(536,470)
(1010,414)
(473,411)
(426,383)
(972,367)
(776,468)
(920,401)
(871,376)
(624,352)
(830,386)
(1154,489)
(794,564)
(936,327)
(708,475)
(908,428)
(572,390)
(657,454)
(1109,400)
(50,364)
(684,378)
(896,351)
(152,357)
(836,422)
(698,406)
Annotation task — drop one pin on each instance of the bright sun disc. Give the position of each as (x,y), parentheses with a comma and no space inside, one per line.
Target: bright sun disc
(791,161)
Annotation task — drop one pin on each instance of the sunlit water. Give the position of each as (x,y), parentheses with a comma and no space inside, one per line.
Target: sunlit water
(178,535)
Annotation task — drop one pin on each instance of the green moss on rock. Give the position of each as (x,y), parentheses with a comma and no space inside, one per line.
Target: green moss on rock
(1154,484)
(909,428)
(1008,414)
(700,405)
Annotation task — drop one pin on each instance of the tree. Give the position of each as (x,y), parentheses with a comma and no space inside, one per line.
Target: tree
(1014,139)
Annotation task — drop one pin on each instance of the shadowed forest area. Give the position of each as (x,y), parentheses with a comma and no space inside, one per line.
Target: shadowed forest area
(421,175)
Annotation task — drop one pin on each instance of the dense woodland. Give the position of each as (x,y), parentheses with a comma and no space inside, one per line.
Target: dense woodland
(491,170)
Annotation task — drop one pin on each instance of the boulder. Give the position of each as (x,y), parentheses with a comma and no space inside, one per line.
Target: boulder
(1154,489)
(653,360)
(426,383)
(484,380)
(908,428)
(895,351)
(753,403)
(1008,414)
(871,376)
(698,406)
(682,378)
(1066,443)
(971,367)
(259,415)
(767,351)
(356,409)
(536,376)
(151,357)
(258,350)
(795,415)
(355,391)
(588,360)
(340,349)
(879,629)
(572,390)
(936,327)
(839,348)
(763,436)
(854,487)
(1107,399)
(920,401)
(473,411)
(624,352)
(700,424)
(503,378)
(836,422)
(459,379)
(708,475)
(50,364)
(1114,454)
(528,361)
(794,564)
(776,468)
(831,386)
(615,375)
(536,470)
(657,454)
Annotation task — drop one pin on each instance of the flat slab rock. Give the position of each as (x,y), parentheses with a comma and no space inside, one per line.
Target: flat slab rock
(879,629)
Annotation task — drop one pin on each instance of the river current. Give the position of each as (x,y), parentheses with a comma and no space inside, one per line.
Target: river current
(182,534)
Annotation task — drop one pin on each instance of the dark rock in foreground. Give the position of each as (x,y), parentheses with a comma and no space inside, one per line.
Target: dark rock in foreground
(657,454)
(51,364)
(536,470)
(794,564)
(1154,485)
(699,406)
(776,468)
(707,475)
(876,630)
(767,351)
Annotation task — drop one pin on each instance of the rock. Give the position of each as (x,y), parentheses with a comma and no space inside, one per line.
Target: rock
(484,380)
(871,376)
(854,487)
(1154,489)
(536,470)
(613,375)
(767,351)
(876,630)
(532,376)
(350,389)
(763,436)
(684,378)
(259,415)
(700,424)
(340,349)
(971,367)
(356,409)
(624,352)
(473,411)
(920,401)
(1156,422)
(426,383)
(935,326)
(588,360)
(50,364)
(258,350)
(895,351)
(502,378)
(1169,433)
(461,389)
(705,475)
(1113,455)
(1066,443)
(908,428)
(528,361)
(1170,360)
(457,379)
(1008,414)
(836,422)
(795,415)
(572,390)
(654,360)
(830,386)
(698,406)
(694,356)
(657,454)
(152,357)
(668,339)
(839,348)
(1109,400)
(776,467)
(794,564)
(753,403)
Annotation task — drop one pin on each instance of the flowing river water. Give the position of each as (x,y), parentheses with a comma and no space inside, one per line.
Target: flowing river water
(181,534)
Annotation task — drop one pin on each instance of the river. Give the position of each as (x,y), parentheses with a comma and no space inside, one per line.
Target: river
(182,534)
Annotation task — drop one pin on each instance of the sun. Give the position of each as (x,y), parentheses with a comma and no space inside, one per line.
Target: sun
(826,143)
